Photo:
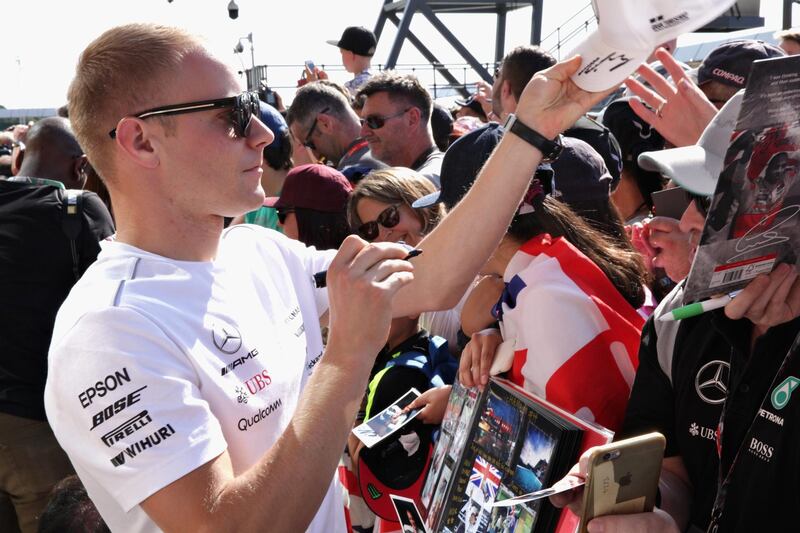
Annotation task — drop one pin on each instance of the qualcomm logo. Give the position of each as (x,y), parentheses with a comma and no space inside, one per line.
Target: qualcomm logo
(711,382)
(226,338)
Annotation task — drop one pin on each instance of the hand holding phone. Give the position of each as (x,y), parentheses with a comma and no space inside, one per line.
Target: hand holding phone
(622,477)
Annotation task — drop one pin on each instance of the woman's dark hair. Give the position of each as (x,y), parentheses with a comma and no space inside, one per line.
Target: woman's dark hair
(321,230)
(623,266)
(280,158)
(70,510)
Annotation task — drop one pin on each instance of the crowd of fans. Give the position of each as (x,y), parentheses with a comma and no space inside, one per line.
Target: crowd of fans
(184,380)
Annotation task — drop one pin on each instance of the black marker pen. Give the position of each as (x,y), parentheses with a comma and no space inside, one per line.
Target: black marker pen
(321,278)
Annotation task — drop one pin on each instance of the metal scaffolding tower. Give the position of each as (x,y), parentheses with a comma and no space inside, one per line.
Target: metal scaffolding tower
(401,12)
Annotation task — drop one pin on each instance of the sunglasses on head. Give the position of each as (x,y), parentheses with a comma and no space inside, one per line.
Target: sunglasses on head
(282,213)
(388,218)
(308,143)
(702,203)
(376,122)
(244,106)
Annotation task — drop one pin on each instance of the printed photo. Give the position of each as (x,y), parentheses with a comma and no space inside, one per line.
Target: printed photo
(530,473)
(498,428)
(437,504)
(408,515)
(387,421)
(436,466)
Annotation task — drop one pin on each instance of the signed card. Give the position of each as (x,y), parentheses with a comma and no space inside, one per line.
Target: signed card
(754,220)
(387,421)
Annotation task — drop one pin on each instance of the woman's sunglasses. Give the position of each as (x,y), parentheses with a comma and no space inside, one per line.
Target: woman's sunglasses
(244,107)
(282,213)
(388,218)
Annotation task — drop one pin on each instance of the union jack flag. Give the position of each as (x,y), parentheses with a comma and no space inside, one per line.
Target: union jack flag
(485,477)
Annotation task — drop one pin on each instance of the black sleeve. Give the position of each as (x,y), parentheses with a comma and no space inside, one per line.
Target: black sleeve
(652,405)
(97,224)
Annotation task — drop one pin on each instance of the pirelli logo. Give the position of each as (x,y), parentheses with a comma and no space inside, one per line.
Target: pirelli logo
(126,428)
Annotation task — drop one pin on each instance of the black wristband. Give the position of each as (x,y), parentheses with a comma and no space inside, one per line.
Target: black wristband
(550,149)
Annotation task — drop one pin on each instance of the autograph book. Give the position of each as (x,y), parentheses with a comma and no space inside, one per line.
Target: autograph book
(752,224)
(497,444)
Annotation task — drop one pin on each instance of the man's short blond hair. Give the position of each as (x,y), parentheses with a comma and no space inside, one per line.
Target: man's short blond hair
(118,74)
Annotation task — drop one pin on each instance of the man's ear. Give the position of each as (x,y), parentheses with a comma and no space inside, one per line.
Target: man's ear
(17,156)
(326,123)
(414,116)
(506,94)
(79,170)
(137,141)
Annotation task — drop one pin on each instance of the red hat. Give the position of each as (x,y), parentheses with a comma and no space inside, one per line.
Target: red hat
(317,187)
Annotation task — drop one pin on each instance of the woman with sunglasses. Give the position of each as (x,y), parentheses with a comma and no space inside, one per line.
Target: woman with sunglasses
(380,211)
(312,206)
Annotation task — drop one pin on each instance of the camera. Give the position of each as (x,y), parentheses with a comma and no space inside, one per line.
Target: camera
(233,10)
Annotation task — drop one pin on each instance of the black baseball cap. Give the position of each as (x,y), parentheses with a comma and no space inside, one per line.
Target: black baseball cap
(357,39)
(730,62)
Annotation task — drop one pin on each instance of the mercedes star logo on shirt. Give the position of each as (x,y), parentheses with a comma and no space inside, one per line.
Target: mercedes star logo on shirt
(711,382)
(226,338)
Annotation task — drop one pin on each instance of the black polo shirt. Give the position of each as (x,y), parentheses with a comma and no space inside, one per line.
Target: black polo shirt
(682,396)
(36,274)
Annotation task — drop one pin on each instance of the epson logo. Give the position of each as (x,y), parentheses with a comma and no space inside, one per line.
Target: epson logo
(761,450)
(138,447)
(126,429)
(120,405)
(738,80)
(104,386)
(238,362)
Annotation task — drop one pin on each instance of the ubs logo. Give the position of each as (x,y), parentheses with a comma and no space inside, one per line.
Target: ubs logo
(226,338)
(711,382)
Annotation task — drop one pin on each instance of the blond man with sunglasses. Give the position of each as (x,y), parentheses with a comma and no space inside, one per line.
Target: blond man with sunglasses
(186,377)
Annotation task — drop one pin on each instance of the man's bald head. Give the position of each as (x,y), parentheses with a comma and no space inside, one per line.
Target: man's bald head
(53,152)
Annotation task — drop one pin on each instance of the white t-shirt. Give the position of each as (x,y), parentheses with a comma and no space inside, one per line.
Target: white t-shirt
(158,366)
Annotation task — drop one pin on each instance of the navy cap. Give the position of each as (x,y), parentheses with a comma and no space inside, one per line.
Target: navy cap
(579,174)
(357,39)
(633,134)
(272,119)
(730,62)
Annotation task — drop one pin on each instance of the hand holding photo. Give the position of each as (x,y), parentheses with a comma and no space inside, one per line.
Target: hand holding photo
(387,421)
(563,485)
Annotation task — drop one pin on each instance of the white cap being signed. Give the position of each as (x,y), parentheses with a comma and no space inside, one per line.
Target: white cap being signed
(629,30)
(696,168)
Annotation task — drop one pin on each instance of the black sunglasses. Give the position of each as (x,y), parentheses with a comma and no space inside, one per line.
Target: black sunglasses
(388,218)
(701,202)
(282,213)
(244,107)
(376,122)
(308,143)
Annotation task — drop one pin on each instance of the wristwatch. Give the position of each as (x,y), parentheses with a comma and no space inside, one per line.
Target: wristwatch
(550,149)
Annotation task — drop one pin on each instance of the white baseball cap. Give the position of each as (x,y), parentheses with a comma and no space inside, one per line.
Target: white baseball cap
(696,168)
(629,30)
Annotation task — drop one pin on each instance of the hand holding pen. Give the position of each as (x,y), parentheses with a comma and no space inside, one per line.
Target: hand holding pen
(321,278)
(766,301)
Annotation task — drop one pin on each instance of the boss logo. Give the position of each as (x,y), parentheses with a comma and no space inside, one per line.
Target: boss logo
(761,450)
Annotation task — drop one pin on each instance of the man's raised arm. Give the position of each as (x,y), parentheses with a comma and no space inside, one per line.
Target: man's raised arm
(465,239)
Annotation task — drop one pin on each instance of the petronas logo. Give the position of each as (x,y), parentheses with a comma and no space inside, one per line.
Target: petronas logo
(373,492)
